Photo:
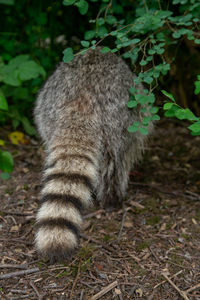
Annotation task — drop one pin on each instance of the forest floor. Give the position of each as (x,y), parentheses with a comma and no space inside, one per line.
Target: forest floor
(148,249)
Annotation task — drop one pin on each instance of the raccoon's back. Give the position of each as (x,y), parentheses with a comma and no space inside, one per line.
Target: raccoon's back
(100,80)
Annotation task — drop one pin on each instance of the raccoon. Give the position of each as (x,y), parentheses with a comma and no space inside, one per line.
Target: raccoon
(82,116)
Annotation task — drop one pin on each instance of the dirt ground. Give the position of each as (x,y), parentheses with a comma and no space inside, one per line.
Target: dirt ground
(148,249)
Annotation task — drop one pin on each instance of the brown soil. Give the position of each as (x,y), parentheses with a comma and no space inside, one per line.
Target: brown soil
(137,249)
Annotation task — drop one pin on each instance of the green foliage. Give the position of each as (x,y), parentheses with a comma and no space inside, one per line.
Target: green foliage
(6,164)
(12,77)
(28,47)
(81,4)
(142,31)
(68,55)
(197,85)
(172,109)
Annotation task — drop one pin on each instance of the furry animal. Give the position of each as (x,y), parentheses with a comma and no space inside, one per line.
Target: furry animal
(82,116)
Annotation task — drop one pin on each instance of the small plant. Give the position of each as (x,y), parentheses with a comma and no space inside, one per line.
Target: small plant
(172,109)
(12,76)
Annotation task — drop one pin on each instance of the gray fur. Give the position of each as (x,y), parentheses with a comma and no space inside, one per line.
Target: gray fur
(82,116)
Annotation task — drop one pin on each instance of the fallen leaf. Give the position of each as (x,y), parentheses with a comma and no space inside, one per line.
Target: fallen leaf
(99,267)
(17,137)
(14,228)
(136,204)
(2,143)
(128,224)
(194,221)
(139,292)
(117,291)
(163,227)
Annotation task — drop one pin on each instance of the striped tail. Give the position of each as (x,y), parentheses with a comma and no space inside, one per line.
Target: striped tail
(70,179)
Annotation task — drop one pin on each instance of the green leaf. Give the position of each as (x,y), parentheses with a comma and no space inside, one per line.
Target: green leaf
(171,112)
(7,2)
(113,33)
(29,70)
(10,76)
(15,123)
(132,90)
(148,79)
(18,60)
(154,109)
(151,51)
(133,128)
(146,121)
(195,127)
(89,34)
(105,50)
(155,118)
(143,130)
(197,87)
(176,34)
(142,99)
(151,98)
(143,62)
(160,51)
(5,176)
(132,104)
(82,6)
(111,20)
(149,58)
(85,44)
(68,2)
(68,55)
(100,21)
(170,96)
(167,106)
(135,41)
(186,114)
(27,126)
(114,50)
(6,161)
(3,102)
(102,31)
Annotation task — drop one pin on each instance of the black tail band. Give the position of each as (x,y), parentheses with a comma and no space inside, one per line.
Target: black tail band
(64,199)
(59,222)
(73,177)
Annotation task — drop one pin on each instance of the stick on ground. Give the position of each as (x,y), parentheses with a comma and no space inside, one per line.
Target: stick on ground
(157,285)
(104,290)
(19,273)
(182,293)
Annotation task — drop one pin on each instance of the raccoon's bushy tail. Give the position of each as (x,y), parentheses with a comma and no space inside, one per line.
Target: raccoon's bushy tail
(69,181)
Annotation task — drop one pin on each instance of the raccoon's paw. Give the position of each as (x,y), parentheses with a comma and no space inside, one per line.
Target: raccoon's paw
(56,243)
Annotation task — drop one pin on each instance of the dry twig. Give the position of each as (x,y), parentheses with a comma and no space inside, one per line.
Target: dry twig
(19,273)
(75,281)
(40,296)
(122,223)
(104,290)
(193,288)
(157,285)
(11,266)
(182,293)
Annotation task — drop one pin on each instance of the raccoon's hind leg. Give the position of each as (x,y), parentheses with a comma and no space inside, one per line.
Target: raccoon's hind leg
(69,181)
(114,174)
